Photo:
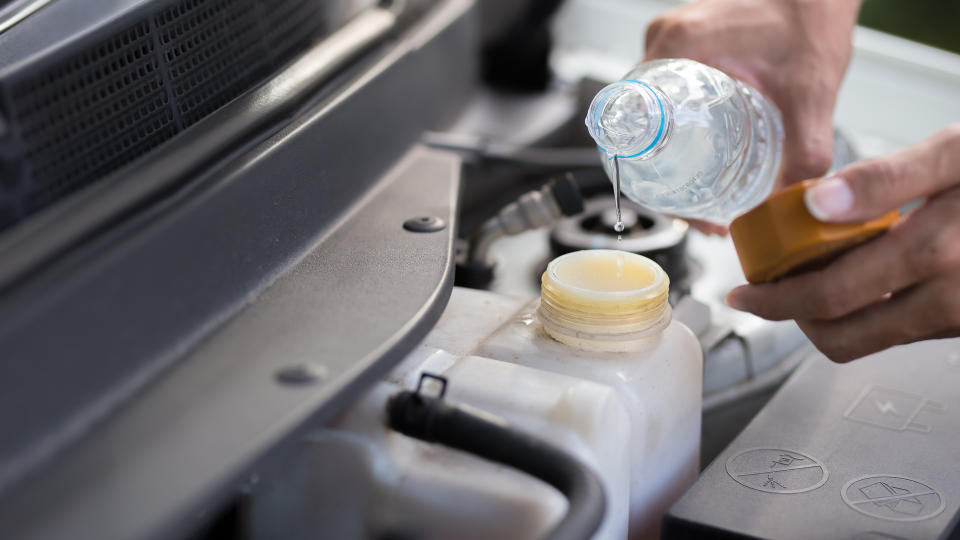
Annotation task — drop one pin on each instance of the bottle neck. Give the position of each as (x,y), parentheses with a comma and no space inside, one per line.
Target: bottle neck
(604,300)
(630,119)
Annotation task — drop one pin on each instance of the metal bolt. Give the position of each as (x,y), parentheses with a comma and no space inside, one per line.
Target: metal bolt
(424,224)
(306,373)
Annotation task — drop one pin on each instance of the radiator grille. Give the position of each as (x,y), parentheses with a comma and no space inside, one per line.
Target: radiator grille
(288,25)
(108,102)
(212,51)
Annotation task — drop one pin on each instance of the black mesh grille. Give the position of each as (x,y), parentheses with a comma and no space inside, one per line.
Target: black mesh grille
(90,114)
(115,99)
(288,23)
(212,50)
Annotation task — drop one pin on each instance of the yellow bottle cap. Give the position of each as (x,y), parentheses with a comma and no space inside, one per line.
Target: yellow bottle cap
(781,236)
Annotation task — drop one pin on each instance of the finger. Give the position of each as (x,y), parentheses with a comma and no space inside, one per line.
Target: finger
(668,32)
(651,41)
(708,228)
(921,246)
(808,133)
(856,279)
(871,188)
(929,310)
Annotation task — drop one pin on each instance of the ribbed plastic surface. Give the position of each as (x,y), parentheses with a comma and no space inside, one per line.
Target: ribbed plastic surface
(75,119)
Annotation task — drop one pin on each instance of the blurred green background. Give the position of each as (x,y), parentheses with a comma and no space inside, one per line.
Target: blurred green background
(934,22)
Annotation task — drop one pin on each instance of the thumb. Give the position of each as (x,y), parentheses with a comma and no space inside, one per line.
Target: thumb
(871,188)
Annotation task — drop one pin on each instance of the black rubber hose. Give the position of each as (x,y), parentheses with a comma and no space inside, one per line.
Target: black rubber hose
(433,420)
(567,194)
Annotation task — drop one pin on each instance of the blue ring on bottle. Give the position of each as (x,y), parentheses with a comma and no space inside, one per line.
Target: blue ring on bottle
(660,129)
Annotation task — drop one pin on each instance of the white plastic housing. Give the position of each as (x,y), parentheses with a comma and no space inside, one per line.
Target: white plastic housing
(633,417)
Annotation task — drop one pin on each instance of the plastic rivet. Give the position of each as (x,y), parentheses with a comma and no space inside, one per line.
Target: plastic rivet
(306,373)
(424,224)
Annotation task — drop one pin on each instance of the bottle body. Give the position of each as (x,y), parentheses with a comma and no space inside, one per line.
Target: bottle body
(719,146)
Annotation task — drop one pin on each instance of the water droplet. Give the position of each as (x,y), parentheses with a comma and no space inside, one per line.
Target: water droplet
(618,226)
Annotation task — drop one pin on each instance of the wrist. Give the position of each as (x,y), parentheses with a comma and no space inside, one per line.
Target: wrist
(847,9)
(830,16)
(847,5)
(850,8)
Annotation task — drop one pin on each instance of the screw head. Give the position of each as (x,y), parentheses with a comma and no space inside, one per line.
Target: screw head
(424,224)
(300,374)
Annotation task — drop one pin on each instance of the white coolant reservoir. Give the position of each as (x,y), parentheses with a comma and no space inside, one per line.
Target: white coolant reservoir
(620,390)
(362,480)
(603,316)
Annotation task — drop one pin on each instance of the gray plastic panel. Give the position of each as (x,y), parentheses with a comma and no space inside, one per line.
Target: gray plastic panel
(362,297)
(863,450)
(95,348)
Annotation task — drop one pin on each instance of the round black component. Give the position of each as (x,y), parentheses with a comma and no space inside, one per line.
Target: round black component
(653,235)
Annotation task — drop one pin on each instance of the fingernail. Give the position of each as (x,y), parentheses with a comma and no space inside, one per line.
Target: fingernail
(734,301)
(830,199)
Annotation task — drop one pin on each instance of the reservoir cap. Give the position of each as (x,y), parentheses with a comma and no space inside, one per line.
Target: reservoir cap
(781,236)
(604,300)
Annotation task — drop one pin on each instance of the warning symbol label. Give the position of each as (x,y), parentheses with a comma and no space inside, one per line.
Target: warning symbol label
(775,470)
(895,498)
(892,409)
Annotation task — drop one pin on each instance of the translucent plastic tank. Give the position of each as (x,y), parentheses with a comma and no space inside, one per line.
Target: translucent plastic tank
(603,316)
(623,395)
(690,141)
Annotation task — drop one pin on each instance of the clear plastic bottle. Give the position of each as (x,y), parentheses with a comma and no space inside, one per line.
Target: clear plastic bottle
(690,140)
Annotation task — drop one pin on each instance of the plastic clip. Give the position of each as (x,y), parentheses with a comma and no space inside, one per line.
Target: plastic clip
(439,378)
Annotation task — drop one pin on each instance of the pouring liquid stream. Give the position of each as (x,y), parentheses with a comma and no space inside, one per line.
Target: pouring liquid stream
(618,226)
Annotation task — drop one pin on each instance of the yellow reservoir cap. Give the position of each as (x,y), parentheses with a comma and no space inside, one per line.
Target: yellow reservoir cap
(781,235)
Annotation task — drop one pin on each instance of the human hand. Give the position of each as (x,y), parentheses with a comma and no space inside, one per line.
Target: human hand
(794,51)
(901,287)
(708,228)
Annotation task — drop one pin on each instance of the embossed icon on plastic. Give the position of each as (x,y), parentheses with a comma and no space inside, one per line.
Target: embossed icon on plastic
(891,497)
(775,470)
(891,409)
